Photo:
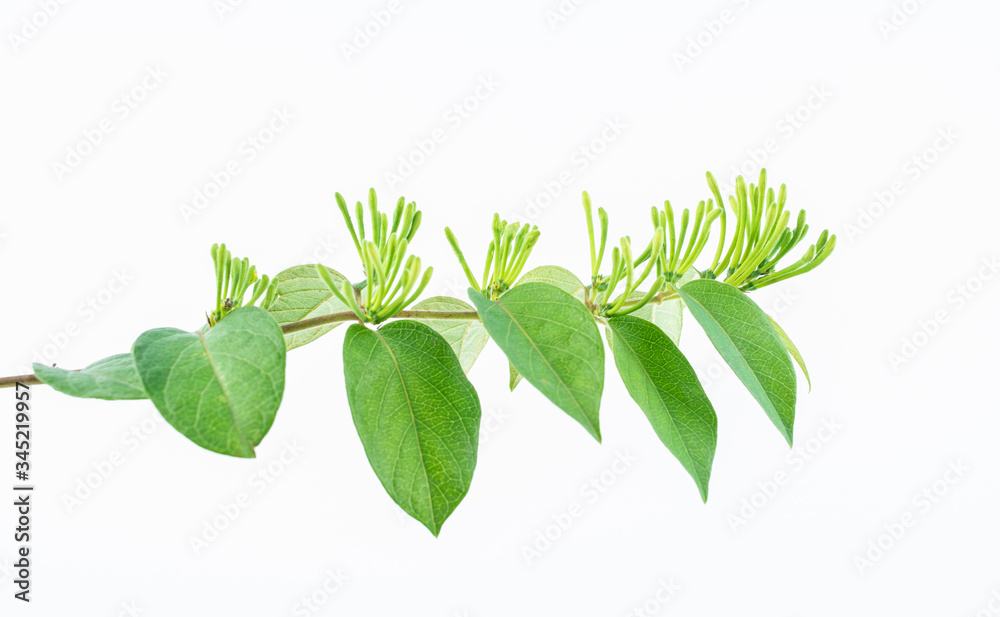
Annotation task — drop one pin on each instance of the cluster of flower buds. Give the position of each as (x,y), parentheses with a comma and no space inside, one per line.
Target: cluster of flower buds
(505,257)
(234,277)
(390,276)
(674,259)
(602,295)
(762,237)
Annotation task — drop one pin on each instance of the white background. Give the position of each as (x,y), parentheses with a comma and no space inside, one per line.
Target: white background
(692,87)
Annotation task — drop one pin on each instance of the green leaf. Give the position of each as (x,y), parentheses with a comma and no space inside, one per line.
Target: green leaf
(666,388)
(552,339)
(555,276)
(515,377)
(743,334)
(792,349)
(303,294)
(466,337)
(220,389)
(417,416)
(113,378)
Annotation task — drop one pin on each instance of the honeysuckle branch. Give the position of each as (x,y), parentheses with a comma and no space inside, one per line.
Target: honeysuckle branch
(333,318)
(760,239)
(27,380)
(298,326)
(344,316)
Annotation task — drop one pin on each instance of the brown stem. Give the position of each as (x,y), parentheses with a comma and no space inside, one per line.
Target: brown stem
(296,326)
(332,318)
(27,380)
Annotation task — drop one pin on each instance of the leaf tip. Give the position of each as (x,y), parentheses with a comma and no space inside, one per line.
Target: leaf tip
(432,526)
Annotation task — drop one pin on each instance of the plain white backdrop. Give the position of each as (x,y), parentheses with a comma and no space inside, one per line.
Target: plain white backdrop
(135,135)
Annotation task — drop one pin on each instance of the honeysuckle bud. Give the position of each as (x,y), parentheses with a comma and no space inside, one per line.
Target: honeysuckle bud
(409,212)
(359,212)
(414,225)
(453,241)
(397,214)
(602,215)
(490,252)
(233,279)
(342,205)
(373,212)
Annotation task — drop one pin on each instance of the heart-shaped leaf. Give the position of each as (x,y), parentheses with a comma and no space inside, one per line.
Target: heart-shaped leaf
(417,415)
(303,294)
(666,388)
(220,389)
(467,337)
(113,378)
(552,339)
(743,335)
